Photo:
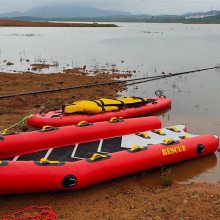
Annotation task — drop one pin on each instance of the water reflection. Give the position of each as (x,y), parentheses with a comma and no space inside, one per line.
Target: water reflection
(196,170)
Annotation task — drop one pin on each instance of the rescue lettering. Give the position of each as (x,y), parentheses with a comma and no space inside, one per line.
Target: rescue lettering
(174,150)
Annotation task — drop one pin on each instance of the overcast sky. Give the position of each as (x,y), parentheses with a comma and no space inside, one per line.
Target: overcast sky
(134,6)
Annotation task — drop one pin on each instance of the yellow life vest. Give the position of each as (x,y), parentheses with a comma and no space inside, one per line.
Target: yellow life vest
(102,105)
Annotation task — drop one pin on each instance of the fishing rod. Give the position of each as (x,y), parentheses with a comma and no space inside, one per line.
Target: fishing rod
(142,79)
(173,74)
(75,87)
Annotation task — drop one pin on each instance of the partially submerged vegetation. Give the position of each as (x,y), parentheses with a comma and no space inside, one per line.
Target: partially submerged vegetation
(40,66)
(167,177)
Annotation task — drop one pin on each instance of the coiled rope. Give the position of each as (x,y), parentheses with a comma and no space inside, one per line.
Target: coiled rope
(32,212)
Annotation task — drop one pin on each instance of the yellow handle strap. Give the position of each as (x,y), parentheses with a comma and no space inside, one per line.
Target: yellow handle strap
(115,119)
(97,156)
(175,129)
(82,123)
(136,148)
(145,135)
(46,161)
(184,137)
(159,131)
(168,141)
(46,127)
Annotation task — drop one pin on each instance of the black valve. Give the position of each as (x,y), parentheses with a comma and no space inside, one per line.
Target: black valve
(200,149)
(69,181)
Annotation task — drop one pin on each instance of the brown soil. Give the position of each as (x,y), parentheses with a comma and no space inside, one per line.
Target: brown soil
(124,198)
(117,200)
(17,23)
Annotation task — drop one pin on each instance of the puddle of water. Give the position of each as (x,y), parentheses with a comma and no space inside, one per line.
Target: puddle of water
(149,49)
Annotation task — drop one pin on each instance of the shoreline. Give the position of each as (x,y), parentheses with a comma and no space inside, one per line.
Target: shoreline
(20,23)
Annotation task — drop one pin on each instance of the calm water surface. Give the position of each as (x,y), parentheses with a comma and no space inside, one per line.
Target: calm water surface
(149,49)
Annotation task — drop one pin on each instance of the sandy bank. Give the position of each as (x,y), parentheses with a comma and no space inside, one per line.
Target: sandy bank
(17,23)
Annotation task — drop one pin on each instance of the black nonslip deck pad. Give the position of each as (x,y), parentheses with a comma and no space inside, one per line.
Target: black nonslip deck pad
(77,152)
(74,152)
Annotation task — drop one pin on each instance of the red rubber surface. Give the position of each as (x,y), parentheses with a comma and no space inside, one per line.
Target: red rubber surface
(24,177)
(27,142)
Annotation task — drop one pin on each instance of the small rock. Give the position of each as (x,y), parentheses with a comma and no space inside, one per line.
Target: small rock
(132,207)
(157,217)
(216,202)
(195,196)
(185,201)
(9,63)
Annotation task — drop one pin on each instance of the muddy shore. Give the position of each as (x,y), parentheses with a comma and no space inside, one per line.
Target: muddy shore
(14,109)
(18,23)
(124,198)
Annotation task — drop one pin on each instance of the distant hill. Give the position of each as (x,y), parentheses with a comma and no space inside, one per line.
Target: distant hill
(86,14)
(65,11)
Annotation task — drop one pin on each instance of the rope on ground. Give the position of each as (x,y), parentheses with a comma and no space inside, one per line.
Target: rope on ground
(4,131)
(32,212)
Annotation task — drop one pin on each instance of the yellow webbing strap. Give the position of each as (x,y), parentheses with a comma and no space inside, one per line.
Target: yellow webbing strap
(136,148)
(4,132)
(159,131)
(44,161)
(82,123)
(46,127)
(97,156)
(168,141)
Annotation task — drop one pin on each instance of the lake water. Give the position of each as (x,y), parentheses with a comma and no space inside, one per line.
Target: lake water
(149,49)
